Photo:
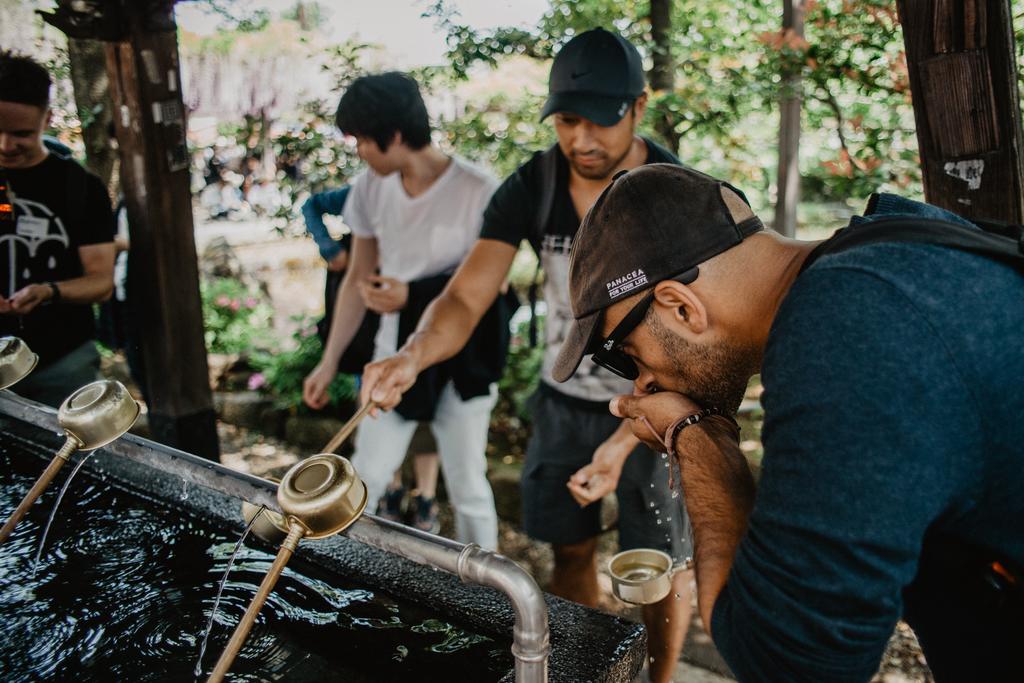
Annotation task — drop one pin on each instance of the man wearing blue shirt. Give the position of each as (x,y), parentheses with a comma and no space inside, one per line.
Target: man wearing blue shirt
(893,469)
(333,252)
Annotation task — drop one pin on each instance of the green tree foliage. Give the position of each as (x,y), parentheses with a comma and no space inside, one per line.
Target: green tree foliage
(858,121)
(857,109)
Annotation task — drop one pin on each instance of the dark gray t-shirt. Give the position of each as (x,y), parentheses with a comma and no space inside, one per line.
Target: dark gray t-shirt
(893,470)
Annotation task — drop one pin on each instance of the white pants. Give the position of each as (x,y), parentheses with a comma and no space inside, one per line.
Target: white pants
(460,429)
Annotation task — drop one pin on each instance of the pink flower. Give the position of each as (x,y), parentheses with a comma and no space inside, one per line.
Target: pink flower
(235,304)
(251,302)
(222,300)
(257,381)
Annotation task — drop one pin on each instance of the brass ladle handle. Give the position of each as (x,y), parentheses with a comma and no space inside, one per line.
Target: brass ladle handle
(295,533)
(349,427)
(69,447)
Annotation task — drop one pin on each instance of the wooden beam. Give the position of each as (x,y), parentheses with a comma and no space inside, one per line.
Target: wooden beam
(963,78)
(163,273)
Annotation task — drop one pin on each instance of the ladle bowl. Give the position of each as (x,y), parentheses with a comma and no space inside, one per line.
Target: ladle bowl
(98,413)
(323,493)
(16,361)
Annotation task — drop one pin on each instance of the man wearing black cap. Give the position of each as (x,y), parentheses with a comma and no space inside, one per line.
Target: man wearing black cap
(892,469)
(596,98)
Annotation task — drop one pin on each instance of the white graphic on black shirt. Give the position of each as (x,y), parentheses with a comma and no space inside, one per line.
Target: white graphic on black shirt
(30,256)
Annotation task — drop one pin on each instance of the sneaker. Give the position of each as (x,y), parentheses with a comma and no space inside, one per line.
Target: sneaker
(424,514)
(389,506)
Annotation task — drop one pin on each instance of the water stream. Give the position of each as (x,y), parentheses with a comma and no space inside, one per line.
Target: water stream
(220,590)
(127,590)
(53,513)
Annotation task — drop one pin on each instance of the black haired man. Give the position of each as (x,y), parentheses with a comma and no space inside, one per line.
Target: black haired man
(597,98)
(57,257)
(414,214)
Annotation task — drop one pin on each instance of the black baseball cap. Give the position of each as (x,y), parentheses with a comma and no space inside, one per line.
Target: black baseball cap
(596,75)
(650,224)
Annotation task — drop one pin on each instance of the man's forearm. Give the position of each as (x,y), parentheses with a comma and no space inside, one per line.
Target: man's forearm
(719,492)
(87,289)
(445,327)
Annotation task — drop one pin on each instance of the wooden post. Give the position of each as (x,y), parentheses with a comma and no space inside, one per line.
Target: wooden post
(163,273)
(963,77)
(790,108)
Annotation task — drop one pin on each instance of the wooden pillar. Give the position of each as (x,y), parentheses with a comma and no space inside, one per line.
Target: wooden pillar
(963,78)
(163,272)
(790,108)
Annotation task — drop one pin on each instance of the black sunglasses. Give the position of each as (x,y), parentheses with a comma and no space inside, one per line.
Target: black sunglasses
(609,355)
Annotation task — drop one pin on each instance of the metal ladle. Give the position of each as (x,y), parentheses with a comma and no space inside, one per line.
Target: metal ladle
(92,417)
(320,496)
(16,361)
(271,526)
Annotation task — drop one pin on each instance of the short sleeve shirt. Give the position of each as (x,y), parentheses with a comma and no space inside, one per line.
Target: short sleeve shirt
(59,207)
(422,236)
(510,217)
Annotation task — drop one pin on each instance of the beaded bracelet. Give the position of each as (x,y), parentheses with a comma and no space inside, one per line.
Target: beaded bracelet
(672,433)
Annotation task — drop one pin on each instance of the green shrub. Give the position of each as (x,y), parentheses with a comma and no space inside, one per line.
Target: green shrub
(281,374)
(522,371)
(236,318)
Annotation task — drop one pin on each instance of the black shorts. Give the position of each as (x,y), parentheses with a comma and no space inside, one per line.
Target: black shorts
(566,432)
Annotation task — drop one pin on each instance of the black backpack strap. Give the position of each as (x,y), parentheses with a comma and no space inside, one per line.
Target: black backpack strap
(924,231)
(548,181)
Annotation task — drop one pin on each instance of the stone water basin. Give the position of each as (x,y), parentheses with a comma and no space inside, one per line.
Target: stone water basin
(130,572)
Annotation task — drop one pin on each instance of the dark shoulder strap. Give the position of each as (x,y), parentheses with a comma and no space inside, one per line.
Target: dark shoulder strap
(548,174)
(924,231)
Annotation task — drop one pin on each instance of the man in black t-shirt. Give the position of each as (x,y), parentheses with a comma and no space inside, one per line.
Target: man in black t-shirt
(597,98)
(57,256)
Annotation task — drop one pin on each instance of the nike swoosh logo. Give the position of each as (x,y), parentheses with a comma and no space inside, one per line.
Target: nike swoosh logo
(574,75)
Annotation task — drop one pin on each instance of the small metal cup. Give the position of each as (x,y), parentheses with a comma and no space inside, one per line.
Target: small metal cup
(323,493)
(98,413)
(16,361)
(641,576)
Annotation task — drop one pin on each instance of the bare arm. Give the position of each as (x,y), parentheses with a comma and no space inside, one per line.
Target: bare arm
(594,481)
(446,325)
(718,487)
(349,310)
(719,492)
(96,283)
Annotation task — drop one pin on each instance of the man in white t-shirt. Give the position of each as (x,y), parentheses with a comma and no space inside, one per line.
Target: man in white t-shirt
(414,214)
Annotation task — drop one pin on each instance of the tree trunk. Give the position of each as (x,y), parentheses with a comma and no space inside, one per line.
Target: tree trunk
(662,75)
(963,77)
(790,106)
(95,107)
(163,273)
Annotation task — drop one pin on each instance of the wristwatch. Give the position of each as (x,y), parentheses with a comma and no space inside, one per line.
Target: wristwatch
(55,297)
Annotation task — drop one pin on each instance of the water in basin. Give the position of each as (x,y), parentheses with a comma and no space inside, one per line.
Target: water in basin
(125,587)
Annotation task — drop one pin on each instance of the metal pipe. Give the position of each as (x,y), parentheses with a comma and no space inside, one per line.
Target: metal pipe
(473,564)
(470,563)
(295,534)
